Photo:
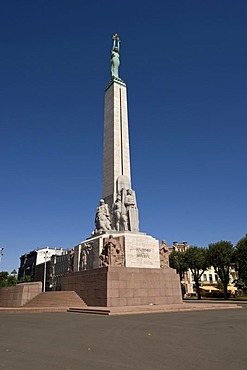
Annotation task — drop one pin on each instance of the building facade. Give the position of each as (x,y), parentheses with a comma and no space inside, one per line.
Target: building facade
(59,266)
(36,265)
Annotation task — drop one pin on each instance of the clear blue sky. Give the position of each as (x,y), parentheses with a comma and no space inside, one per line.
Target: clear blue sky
(184,63)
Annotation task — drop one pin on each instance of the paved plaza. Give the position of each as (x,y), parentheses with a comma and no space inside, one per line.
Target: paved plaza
(182,340)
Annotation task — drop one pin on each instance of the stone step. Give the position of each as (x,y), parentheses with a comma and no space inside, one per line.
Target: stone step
(144,309)
(56,299)
(92,310)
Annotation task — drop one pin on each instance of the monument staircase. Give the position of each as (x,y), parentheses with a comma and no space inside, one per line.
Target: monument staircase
(55,301)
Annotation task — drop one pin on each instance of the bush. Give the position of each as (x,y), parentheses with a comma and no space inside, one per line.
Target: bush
(6,279)
(213,294)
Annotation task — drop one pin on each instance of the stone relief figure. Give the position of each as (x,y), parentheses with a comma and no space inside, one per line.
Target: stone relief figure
(86,257)
(102,217)
(115,59)
(120,219)
(125,212)
(164,255)
(132,211)
(104,259)
(112,253)
(129,199)
(71,260)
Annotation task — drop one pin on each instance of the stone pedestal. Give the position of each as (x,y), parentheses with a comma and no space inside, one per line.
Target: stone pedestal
(121,286)
(128,276)
(139,250)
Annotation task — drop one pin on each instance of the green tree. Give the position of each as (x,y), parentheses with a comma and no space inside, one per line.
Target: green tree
(241,260)
(197,261)
(25,279)
(177,261)
(220,285)
(6,279)
(241,286)
(222,257)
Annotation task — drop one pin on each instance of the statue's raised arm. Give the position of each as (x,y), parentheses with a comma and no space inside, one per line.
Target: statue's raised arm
(115,58)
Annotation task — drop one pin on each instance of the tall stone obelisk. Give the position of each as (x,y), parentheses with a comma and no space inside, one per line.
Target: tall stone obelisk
(117,216)
(119,265)
(116,161)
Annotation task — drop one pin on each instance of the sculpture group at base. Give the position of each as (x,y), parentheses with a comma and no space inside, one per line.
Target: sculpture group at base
(125,212)
(164,255)
(86,257)
(112,253)
(123,215)
(102,217)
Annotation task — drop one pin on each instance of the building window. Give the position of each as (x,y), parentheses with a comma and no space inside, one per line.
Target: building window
(210,278)
(204,277)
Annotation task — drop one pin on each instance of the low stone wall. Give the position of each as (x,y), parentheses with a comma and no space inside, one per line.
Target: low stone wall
(17,296)
(90,285)
(123,286)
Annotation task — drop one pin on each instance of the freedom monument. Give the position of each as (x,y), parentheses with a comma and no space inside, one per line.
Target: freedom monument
(118,265)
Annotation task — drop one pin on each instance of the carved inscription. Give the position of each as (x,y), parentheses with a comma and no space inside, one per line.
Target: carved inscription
(143,253)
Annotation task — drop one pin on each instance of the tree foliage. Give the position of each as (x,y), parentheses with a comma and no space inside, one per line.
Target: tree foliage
(177,261)
(241,286)
(241,259)
(6,279)
(197,261)
(222,257)
(25,279)
(220,285)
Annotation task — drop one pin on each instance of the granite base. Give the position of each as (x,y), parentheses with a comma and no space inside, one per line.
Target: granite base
(123,286)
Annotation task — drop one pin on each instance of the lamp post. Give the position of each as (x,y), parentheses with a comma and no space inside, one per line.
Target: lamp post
(44,280)
(1,253)
(24,265)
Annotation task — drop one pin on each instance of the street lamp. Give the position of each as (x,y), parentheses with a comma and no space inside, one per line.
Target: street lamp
(1,253)
(44,280)
(25,265)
